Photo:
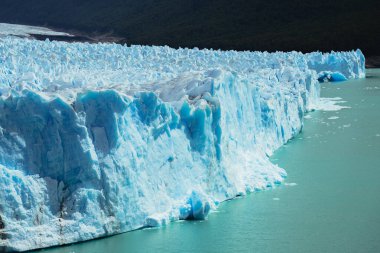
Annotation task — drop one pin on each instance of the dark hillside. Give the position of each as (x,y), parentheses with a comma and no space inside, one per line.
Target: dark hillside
(305,25)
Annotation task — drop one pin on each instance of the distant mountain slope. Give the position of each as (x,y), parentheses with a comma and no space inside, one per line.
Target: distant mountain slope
(305,25)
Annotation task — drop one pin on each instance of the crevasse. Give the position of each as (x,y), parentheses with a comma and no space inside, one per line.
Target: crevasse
(99,139)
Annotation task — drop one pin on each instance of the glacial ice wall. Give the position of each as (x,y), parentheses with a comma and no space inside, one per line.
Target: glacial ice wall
(99,139)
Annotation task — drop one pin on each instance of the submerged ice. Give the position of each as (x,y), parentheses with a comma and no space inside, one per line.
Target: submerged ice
(99,139)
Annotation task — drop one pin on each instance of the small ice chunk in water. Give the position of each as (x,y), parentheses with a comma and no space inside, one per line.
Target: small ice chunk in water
(307,116)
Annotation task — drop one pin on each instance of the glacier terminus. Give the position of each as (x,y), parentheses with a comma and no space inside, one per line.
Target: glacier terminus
(100,139)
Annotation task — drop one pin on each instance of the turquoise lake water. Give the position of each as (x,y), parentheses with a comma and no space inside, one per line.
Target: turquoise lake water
(330,202)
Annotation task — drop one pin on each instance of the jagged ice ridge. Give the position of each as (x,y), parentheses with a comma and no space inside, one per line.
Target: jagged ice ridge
(99,139)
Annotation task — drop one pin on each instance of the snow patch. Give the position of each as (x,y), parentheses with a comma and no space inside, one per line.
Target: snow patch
(26,31)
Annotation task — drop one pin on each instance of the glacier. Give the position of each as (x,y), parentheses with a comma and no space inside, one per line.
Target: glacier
(100,139)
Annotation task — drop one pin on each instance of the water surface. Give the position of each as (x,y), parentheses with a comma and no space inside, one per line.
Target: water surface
(329,203)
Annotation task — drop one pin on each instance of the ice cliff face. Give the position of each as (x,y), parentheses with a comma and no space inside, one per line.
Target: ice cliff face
(98,139)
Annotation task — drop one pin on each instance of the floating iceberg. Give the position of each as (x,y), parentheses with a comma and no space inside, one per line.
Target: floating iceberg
(328,76)
(99,139)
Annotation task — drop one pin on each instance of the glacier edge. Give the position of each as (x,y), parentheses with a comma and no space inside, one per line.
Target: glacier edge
(80,161)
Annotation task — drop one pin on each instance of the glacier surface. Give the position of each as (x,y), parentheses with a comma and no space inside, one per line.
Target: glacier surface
(99,139)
